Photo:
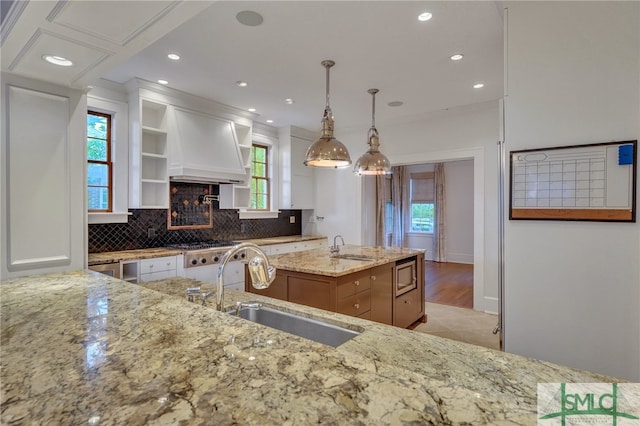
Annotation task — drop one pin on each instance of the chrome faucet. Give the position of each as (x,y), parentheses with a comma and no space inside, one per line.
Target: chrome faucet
(334,249)
(262,274)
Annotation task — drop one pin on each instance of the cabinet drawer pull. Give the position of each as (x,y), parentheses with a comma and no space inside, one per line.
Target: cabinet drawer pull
(356,282)
(373,277)
(357,306)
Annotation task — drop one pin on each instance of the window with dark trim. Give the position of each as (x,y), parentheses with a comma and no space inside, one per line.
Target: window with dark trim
(99,165)
(260,182)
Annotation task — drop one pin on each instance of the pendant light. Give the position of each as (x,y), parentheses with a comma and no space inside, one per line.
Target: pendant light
(327,151)
(373,162)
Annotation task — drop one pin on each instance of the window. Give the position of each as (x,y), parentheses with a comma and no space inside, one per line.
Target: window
(260,183)
(422,206)
(99,165)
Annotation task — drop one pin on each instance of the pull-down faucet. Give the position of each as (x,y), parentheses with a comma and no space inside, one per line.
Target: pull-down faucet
(262,274)
(334,249)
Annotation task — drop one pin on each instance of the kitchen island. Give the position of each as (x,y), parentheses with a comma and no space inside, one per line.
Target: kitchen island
(84,348)
(382,284)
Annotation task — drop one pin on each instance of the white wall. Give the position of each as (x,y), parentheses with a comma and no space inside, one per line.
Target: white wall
(468,132)
(572,288)
(459,210)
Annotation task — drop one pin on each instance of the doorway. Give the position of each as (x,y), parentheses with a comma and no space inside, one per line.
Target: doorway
(481,300)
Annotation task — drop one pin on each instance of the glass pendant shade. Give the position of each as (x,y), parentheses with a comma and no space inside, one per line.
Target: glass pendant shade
(373,162)
(327,151)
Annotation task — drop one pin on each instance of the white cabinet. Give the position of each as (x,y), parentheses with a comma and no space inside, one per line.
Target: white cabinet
(149,180)
(297,182)
(297,246)
(302,177)
(129,271)
(158,268)
(235,196)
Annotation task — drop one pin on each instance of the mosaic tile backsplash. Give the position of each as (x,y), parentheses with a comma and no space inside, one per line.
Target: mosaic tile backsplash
(226,226)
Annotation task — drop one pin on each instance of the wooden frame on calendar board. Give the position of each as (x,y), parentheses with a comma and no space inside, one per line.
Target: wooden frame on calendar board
(594,182)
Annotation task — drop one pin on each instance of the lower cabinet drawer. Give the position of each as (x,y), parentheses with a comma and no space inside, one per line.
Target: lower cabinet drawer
(355,305)
(158,264)
(407,309)
(161,275)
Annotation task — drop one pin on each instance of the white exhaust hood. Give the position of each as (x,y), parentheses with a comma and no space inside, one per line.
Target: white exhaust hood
(205,149)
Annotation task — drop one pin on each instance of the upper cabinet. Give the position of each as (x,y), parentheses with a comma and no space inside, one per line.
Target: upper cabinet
(148,177)
(297,181)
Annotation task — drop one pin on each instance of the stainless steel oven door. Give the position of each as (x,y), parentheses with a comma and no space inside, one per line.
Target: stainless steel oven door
(111,269)
(406,279)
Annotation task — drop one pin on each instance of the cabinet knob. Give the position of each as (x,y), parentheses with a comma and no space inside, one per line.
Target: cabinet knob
(151,266)
(357,306)
(356,282)
(408,302)
(373,277)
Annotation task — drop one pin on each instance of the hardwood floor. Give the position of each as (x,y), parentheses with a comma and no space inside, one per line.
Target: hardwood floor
(449,284)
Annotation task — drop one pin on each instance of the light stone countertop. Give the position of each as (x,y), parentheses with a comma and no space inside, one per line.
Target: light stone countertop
(149,253)
(124,255)
(319,261)
(85,348)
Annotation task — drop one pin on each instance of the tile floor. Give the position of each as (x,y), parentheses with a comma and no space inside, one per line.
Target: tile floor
(465,325)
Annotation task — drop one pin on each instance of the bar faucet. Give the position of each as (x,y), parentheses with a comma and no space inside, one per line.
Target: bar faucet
(334,249)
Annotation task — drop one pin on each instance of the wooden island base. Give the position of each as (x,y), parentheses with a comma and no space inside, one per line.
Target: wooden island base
(366,293)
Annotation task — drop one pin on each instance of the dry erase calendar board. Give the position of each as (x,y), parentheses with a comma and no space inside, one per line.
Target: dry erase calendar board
(583,182)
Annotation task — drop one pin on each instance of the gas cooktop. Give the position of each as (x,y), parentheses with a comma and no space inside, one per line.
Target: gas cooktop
(199,245)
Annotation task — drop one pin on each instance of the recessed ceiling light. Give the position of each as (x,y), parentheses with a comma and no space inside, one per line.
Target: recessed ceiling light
(395,103)
(249,18)
(269,121)
(241,83)
(173,56)
(251,110)
(478,85)
(425,16)
(457,57)
(163,82)
(57,60)
(289,101)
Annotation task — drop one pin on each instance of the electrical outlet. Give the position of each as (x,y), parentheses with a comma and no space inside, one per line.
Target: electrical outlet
(292,219)
(151,233)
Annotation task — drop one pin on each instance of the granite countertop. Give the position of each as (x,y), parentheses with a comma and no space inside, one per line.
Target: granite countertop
(117,256)
(319,261)
(85,348)
(282,240)
(148,253)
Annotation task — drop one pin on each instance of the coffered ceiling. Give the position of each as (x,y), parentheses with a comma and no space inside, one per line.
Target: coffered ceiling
(375,44)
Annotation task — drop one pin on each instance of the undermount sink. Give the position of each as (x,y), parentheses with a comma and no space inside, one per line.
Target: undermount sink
(354,257)
(318,331)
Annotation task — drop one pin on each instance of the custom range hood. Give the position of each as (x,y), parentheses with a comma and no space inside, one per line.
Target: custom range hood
(206,149)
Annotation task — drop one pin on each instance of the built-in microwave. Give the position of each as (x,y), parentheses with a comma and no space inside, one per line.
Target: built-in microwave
(406,278)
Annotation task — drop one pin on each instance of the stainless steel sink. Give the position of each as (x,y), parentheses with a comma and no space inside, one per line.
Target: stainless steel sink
(354,257)
(319,331)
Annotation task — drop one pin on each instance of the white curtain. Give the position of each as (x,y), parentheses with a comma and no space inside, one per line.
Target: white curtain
(400,199)
(381,200)
(439,226)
